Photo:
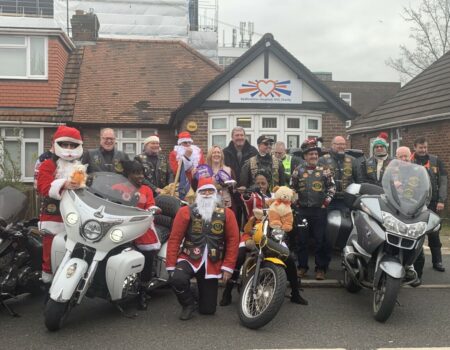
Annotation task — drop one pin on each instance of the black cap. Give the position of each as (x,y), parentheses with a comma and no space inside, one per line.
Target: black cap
(264,139)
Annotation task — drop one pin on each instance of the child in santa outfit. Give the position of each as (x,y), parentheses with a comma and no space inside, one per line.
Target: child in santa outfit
(185,150)
(53,178)
(149,242)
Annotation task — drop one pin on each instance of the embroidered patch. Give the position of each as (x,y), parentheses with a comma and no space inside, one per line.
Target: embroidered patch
(197,226)
(317,186)
(413,181)
(305,175)
(196,251)
(217,227)
(51,208)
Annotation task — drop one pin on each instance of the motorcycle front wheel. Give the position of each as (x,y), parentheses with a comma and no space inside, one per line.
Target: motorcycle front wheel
(55,314)
(385,296)
(259,307)
(349,284)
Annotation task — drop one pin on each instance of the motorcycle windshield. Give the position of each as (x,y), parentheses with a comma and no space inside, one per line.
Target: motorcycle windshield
(114,188)
(13,204)
(406,186)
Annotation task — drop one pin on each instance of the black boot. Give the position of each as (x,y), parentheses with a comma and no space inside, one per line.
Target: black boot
(297,298)
(226,296)
(142,298)
(436,257)
(187,312)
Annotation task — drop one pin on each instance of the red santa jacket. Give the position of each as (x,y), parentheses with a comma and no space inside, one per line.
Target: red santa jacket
(213,270)
(149,240)
(188,163)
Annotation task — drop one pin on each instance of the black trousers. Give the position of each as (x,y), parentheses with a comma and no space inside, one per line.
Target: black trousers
(207,288)
(317,221)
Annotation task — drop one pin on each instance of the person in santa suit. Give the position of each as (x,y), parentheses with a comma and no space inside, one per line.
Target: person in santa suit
(149,242)
(53,178)
(191,155)
(209,250)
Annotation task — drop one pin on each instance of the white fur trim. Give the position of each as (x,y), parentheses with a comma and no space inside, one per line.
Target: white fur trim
(149,247)
(170,268)
(55,188)
(205,187)
(46,277)
(242,244)
(224,268)
(68,139)
(180,141)
(53,227)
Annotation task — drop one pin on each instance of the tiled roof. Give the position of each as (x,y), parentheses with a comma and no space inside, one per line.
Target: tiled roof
(425,98)
(32,115)
(366,95)
(134,81)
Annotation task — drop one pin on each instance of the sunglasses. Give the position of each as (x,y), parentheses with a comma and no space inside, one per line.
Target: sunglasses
(70,145)
(267,143)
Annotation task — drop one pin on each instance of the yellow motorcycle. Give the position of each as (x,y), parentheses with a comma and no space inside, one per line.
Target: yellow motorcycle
(263,276)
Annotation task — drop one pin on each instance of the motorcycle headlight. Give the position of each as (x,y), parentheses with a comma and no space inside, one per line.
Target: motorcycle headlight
(394,225)
(92,230)
(72,218)
(116,235)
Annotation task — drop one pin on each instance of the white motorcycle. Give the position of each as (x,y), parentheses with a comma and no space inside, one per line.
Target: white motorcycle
(96,256)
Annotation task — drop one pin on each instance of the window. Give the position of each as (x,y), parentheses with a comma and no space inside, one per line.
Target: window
(347,97)
(313,124)
(370,146)
(23,57)
(269,123)
(219,123)
(245,122)
(293,123)
(20,148)
(396,140)
(219,140)
(131,141)
(293,141)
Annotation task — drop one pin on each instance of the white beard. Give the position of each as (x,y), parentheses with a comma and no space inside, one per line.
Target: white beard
(206,206)
(195,157)
(65,168)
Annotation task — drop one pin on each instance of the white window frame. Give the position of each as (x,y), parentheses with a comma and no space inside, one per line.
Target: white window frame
(138,140)
(23,141)
(281,132)
(395,138)
(27,46)
(371,140)
(346,97)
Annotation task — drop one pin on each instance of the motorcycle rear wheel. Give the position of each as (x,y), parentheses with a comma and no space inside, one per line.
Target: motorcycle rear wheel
(55,314)
(349,284)
(385,297)
(259,308)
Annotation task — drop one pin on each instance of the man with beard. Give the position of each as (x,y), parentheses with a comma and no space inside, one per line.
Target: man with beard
(263,160)
(236,154)
(209,250)
(106,157)
(156,167)
(315,189)
(374,167)
(53,178)
(438,177)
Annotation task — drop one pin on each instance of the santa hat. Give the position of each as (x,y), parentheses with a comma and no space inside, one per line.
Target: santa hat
(205,183)
(68,134)
(153,138)
(381,140)
(184,136)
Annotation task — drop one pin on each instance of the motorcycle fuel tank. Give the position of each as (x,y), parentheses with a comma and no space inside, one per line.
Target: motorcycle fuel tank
(370,234)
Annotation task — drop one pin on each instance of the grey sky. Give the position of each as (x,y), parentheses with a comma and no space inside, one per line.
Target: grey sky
(350,38)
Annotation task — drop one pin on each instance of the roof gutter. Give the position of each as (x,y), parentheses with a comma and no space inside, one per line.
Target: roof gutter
(19,122)
(421,120)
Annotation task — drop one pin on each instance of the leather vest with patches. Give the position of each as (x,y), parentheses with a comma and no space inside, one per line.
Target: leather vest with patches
(310,186)
(97,162)
(274,169)
(341,170)
(371,170)
(201,233)
(156,175)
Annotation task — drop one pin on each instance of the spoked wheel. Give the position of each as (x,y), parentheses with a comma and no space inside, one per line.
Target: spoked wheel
(385,296)
(349,284)
(55,314)
(258,307)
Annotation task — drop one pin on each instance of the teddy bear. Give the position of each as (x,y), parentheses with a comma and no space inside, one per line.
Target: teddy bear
(79,175)
(280,212)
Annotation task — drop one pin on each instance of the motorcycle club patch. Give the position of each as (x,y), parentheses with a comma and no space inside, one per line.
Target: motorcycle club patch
(413,181)
(317,186)
(217,227)
(118,166)
(196,251)
(370,169)
(317,174)
(305,175)
(51,208)
(197,226)
(434,169)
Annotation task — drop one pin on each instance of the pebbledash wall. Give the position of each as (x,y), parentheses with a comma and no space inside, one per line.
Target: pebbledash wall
(437,134)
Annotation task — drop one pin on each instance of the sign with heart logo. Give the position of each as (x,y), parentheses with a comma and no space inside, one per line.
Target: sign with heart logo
(266,91)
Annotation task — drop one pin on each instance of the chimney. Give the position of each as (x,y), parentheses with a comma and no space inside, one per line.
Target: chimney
(85,26)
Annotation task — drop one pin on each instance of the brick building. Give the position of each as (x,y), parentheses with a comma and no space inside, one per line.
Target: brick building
(420,108)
